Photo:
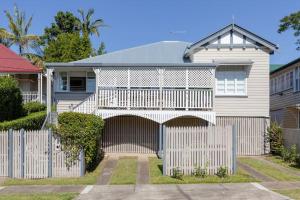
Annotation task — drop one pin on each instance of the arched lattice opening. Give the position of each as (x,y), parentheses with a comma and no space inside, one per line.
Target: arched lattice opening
(130,134)
(186,121)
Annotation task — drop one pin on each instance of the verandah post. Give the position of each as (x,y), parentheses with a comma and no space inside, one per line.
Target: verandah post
(22,152)
(234,149)
(49,153)
(164,150)
(10,153)
(160,142)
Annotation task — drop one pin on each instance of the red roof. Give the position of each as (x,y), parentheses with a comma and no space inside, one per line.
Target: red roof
(10,62)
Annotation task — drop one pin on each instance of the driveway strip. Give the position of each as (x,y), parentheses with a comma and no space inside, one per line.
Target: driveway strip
(143,170)
(107,171)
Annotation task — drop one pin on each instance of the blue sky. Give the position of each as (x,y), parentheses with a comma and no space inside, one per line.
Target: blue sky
(137,22)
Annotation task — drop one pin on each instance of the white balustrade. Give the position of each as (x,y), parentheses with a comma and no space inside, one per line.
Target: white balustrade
(29,96)
(87,106)
(189,99)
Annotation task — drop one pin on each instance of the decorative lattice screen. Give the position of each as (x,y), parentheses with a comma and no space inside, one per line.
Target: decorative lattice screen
(175,77)
(113,77)
(203,78)
(144,77)
(149,77)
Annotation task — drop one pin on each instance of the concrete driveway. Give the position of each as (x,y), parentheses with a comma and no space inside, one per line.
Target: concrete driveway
(195,191)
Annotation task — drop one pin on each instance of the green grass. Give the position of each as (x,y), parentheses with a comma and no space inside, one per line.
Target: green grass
(278,160)
(268,170)
(294,193)
(125,171)
(87,179)
(156,176)
(50,196)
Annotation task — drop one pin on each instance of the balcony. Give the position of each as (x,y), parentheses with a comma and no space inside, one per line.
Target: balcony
(156,99)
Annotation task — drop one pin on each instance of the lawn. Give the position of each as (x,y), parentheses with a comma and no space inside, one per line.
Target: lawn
(295,193)
(49,196)
(156,176)
(278,160)
(268,170)
(88,179)
(125,171)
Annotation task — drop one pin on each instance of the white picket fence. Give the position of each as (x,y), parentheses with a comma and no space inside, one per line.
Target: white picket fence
(189,147)
(27,154)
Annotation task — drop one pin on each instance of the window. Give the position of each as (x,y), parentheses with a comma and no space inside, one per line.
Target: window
(63,81)
(297,81)
(231,81)
(282,82)
(90,82)
(77,83)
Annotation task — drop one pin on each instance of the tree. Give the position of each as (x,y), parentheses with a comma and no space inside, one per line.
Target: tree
(292,22)
(65,22)
(19,28)
(87,26)
(11,99)
(68,47)
(101,49)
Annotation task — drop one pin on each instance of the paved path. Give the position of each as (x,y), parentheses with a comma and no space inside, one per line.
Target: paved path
(175,192)
(143,170)
(108,168)
(254,173)
(41,189)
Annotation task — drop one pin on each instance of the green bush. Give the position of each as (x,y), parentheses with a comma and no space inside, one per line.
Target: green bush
(275,137)
(177,173)
(81,131)
(32,107)
(290,155)
(200,172)
(11,99)
(222,172)
(33,121)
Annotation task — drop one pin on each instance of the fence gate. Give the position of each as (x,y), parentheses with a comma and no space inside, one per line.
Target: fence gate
(189,147)
(35,154)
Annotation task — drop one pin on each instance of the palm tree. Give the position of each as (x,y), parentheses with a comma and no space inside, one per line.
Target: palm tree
(4,37)
(19,28)
(87,26)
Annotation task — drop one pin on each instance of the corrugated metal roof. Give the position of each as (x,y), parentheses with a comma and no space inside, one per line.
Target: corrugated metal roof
(279,68)
(159,52)
(274,67)
(10,62)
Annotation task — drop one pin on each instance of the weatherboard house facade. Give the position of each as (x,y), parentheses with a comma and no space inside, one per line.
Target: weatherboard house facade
(222,79)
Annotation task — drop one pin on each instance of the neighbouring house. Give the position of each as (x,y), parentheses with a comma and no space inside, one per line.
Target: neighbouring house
(285,100)
(29,77)
(222,79)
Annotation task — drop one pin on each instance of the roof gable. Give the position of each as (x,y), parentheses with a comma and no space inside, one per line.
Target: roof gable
(159,52)
(230,36)
(10,62)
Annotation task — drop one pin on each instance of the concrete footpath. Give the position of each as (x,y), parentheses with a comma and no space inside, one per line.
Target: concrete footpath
(175,192)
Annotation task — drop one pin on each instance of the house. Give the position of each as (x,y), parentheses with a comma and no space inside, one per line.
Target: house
(284,94)
(29,77)
(222,79)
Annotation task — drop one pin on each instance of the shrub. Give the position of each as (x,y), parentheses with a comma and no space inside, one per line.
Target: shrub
(222,172)
(289,154)
(200,172)
(177,173)
(80,131)
(11,99)
(275,137)
(33,121)
(32,107)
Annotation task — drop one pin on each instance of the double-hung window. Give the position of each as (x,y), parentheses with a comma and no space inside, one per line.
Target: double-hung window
(231,81)
(63,81)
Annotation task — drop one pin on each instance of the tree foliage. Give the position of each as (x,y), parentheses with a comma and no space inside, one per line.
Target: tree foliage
(291,22)
(275,137)
(65,22)
(80,131)
(87,26)
(19,28)
(68,47)
(101,49)
(11,99)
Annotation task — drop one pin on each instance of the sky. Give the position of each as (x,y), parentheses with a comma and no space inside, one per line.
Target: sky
(137,22)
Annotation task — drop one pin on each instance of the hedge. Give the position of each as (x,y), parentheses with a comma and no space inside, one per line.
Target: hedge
(32,107)
(33,121)
(11,99)
(81,131)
